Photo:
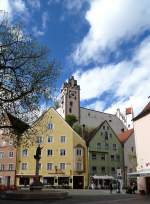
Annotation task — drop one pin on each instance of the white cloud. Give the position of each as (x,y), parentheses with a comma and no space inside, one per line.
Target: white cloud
(100,79)
(44,20)
(111,22)
(13,7)
(34,3)
(129,81)
(37,32)
(18,5)
(5,6)
(97,105)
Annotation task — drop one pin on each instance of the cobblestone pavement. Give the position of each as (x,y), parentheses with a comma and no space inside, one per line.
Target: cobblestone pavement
(91,197)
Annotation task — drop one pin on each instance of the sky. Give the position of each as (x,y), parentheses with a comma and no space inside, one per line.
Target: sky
(105,44)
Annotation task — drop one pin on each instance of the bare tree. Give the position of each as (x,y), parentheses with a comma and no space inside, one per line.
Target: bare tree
(27,75)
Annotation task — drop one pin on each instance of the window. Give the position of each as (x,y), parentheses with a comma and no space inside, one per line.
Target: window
(94,169)
(114,146)
(106,135)
(98,145)
(103,127)
(112,157)
(106,146)
(70,110)
(11,154)
(1,155)
(118,157)
(107,127)
(62,139)
(79,166)
(103,169)
(24,166)
(79,151)
(2,167)
(103,157)
(50,126)
(132,149)
(49,166)
(93,156)
(11,167)
(49,152)
(62,166)
(110,135)
(71,103)
(39,140)
(62,152)
(24,152)
(113,170)
(50,139)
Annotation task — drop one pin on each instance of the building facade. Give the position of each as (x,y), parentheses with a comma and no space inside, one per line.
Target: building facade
(142,129)
(63,160)
(105,155)
(7,161)
(127,139)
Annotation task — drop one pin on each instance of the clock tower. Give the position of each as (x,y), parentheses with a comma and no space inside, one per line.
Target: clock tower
(70,98)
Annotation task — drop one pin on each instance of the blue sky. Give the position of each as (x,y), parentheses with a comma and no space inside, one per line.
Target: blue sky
(105,44)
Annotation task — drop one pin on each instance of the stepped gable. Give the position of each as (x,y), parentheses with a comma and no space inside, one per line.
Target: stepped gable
(143,113)
(123,136)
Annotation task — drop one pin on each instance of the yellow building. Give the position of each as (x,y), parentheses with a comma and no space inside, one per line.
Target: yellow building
(63,158)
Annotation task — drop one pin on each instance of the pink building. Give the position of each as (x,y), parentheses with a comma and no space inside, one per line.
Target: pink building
(7,161)
(8,150)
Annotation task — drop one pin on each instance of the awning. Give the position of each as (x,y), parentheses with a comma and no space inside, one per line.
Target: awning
(139,174)
(103,177)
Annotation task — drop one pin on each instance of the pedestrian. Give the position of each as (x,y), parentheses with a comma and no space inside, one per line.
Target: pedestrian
(118,187)
(110,187)
(133,188)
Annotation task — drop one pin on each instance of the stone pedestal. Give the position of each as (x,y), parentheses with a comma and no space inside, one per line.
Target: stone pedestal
(37,184)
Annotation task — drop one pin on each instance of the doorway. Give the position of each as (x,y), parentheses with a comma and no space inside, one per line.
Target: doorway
(78,182)
(148,185)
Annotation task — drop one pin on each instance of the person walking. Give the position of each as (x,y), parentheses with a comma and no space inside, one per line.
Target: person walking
(110,187)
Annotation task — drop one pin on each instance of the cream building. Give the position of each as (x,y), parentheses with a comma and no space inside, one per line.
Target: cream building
(63,160)
(142,140)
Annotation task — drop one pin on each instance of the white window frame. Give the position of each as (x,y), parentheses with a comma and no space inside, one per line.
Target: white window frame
(50,126)
(62,152)
(39,138)
(62,165)
(1,155)
(12,165)
(51,140)
(11,154)
(25,155)
(25,164)
(63,140)
(49,169)
(79,151)
(2,167)
(50,155)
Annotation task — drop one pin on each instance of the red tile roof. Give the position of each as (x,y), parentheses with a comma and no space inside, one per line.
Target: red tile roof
(144,112)
(123,136)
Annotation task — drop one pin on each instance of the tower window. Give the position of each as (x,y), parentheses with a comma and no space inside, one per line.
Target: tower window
(71,103)
(70,110)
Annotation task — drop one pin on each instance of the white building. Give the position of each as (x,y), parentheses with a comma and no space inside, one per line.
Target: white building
(142,141)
